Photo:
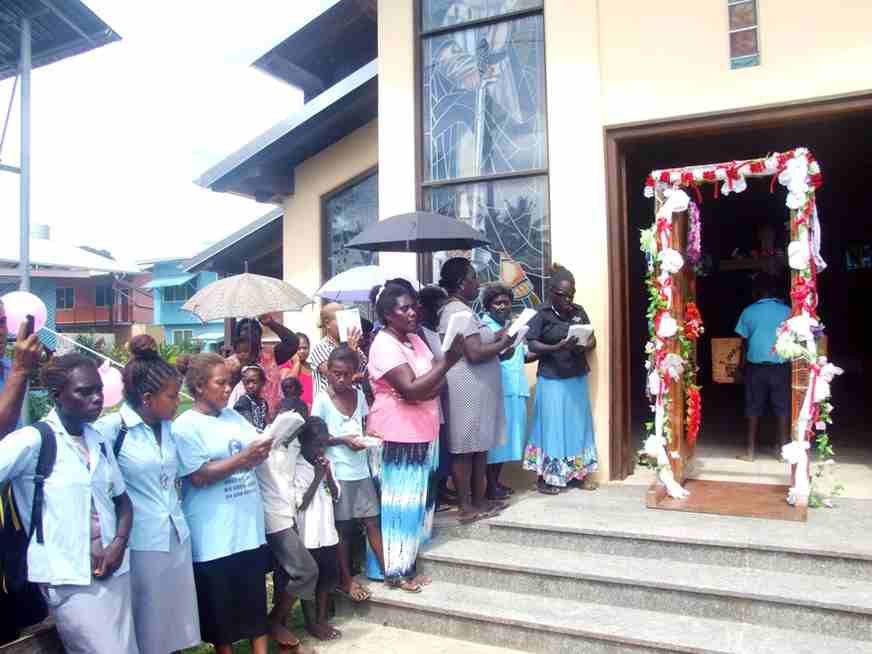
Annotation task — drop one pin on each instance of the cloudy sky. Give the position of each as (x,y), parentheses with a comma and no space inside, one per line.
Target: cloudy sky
(118,134)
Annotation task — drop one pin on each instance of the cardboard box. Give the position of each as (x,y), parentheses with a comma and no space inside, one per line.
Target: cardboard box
(726,353)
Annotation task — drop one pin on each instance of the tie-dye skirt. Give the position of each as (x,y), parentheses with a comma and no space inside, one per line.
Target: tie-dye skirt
(404,473)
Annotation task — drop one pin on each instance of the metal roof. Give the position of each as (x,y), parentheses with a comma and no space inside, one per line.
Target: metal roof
(174,280)
(59,29)
(264,168)
(246,238)
(337,37)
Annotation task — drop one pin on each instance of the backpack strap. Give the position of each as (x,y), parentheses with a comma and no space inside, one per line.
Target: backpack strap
(119,439)
(48,452)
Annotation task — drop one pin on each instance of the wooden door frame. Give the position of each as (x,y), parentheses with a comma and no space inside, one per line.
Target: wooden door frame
(623,444)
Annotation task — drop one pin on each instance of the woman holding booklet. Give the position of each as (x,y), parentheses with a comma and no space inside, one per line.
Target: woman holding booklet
(497,302)
(218,451)
(476,417)
(561,448)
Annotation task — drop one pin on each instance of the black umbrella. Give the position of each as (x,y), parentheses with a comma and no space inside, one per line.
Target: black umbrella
(419,231)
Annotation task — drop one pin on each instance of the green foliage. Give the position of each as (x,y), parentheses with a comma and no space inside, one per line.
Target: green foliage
(39,404)
(824,458)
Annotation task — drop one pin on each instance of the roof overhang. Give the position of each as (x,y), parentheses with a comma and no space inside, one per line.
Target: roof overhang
(62,256)
(165,282)
(336,37)
(247,246)
(59,29)
(264,168)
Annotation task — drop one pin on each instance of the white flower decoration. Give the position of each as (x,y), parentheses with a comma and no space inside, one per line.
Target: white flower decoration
(799,254)
(671,261)
(668,327)
(654,384)
(673,366)
(794,452)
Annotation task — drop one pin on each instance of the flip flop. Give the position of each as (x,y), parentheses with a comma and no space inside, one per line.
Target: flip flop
(545,489)
(350,594)
(406,586)
(475,517)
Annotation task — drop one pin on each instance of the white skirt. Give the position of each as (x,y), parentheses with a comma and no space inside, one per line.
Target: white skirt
(94,619)
(164,598)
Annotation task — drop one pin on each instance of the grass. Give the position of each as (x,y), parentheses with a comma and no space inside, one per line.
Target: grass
(295,623)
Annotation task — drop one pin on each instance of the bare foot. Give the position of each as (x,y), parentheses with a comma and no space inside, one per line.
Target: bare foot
(467,517)
(282,635)
(747,458)
(410,586)
(422,580)
(323,631)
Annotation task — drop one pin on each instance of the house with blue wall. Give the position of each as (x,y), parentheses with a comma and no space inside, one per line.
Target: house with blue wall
(172,287)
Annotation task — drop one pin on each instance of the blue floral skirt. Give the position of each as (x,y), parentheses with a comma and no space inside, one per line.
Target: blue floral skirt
(562,446)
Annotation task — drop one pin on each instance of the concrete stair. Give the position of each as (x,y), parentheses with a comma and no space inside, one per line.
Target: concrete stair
(598,572)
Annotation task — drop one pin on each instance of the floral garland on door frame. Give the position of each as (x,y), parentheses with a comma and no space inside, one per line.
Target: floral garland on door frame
(798,171)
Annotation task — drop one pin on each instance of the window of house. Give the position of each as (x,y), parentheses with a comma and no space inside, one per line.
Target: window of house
(484,140)
(181,293)
(65,298)
(346,213)
(104,296)
(182,336)
(744,33)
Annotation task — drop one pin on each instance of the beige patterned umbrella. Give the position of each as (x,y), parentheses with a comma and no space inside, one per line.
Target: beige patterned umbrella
(245,296)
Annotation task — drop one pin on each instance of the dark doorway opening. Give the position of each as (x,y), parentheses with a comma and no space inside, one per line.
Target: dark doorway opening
(836,135)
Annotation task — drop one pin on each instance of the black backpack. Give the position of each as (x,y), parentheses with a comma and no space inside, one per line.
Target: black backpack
(15,539)
(23,604)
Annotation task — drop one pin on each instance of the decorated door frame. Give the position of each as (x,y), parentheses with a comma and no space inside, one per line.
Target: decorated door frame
(672,247)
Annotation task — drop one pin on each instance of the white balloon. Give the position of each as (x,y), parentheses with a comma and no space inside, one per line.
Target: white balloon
(113,385)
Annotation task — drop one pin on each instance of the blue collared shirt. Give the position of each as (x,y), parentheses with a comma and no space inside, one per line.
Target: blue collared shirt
(5,371)
(65,556)
(150,472)
(759,324)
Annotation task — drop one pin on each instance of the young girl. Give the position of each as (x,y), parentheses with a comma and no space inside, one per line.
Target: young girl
(252,406)
(293,391)
(78,554)
(161,573)
(343,407)
(316,491)
(297,366)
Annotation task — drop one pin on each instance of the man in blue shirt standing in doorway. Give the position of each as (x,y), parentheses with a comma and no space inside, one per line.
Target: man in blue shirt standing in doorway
(767,375)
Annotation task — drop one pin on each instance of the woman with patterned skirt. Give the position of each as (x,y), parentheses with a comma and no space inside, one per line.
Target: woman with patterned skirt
(562,447)
(406,382)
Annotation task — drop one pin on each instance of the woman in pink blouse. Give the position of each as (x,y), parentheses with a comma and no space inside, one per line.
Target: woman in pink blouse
(406,382)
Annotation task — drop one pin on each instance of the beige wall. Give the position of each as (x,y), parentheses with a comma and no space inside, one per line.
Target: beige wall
(577,181)
(659,63)
(616,62)
(396,108)
(314,178)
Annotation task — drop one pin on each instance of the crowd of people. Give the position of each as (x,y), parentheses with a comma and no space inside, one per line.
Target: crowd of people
(152,532)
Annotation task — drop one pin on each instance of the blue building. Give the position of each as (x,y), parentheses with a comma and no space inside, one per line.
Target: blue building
(172,287)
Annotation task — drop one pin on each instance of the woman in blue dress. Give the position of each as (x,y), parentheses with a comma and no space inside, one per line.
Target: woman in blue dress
(497,302)
(562,446)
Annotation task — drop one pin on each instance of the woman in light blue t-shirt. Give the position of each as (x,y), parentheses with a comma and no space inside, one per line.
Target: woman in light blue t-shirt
(218,450)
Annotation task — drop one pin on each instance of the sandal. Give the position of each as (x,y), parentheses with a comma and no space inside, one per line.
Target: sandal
(469,519)
(357,593)
(405,585)
(547,489)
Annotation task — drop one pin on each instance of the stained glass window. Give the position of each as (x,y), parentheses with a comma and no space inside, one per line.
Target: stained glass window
(744,42)
(347,213)
(513,215)
(484,99)
(436,14)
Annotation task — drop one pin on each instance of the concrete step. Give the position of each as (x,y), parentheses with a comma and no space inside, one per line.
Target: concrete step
(550,625)
(833,543)
(826,605)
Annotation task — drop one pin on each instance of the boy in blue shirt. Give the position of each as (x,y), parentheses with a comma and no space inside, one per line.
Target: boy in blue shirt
(767,375)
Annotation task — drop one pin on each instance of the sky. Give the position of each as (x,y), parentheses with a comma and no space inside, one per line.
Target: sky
(119,134)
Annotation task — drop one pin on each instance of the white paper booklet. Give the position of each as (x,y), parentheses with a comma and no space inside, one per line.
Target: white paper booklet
(348,320)
(519,337)
(521,321)
(582,332)
(456,325)
(284,429)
